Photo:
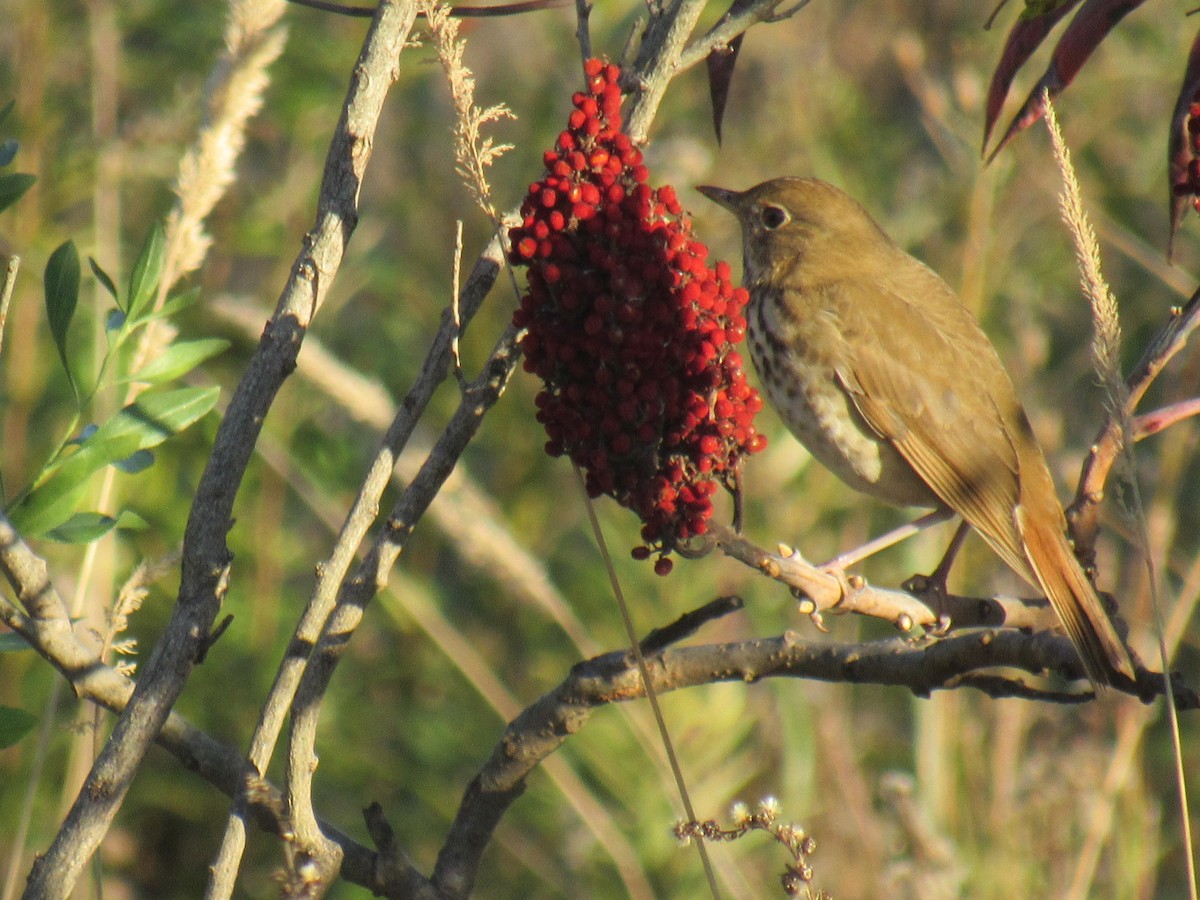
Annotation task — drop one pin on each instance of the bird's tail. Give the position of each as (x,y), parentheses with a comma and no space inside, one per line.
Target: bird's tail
(1074,598)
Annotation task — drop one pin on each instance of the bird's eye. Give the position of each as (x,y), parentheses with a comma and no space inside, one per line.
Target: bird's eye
(774,217)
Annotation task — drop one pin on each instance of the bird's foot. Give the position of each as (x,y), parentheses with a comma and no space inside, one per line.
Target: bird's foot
(931,590)
(848,586)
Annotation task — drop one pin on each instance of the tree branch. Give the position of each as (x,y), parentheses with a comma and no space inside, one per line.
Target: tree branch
(993,661)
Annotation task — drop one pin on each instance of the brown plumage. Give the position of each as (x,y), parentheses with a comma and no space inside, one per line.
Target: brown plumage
(881,372)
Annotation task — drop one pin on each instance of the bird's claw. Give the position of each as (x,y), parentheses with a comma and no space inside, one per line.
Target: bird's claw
(931,590)
(848,584)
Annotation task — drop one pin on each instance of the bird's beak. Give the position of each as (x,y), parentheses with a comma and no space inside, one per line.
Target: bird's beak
(726,198)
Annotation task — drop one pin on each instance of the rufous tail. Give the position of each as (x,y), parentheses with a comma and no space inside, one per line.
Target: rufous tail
(1074,598)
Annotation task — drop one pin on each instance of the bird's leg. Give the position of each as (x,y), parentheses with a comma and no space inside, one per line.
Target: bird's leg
(895,536)
(933,585)
(851,583)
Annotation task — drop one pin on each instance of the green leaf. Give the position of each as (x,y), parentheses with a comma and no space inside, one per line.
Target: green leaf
(8,151)
(11,642)
(179,359)
(114,321)
(14,725)
(139,426)
(12,186)
(85,527)
(143,281)
(82,528)
(8,107)
(105,281)
(62,295)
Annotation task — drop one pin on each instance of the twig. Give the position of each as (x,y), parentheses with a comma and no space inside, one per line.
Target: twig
(1153,422)
(206,557)
(6,289)
(688,624)
(219,764)
(658,61)
(583,34)
(1106,347)
(464,511)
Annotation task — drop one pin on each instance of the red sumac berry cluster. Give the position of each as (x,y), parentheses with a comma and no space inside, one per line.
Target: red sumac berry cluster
(630,330)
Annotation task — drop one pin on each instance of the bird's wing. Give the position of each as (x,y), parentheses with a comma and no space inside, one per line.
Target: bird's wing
(928,380)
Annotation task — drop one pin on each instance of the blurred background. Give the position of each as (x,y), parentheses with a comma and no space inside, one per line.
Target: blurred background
(502,590)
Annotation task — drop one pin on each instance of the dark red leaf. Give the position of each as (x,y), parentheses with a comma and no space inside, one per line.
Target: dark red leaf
(1026,36)
(1181,145)
(1088,28)
(720,72)
(720,67)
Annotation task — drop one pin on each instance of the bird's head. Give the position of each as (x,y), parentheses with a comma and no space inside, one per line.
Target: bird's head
(784,220)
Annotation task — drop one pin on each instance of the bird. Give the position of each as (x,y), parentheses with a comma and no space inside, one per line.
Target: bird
(879,370)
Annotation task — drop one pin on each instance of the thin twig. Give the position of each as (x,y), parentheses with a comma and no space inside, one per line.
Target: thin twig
(583,33)
(1153,422)
(465,513)
(823,592)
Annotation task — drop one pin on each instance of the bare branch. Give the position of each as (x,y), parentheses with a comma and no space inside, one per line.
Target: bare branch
(993,661)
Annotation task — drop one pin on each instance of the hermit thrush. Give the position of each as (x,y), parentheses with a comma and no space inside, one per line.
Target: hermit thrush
(879,370)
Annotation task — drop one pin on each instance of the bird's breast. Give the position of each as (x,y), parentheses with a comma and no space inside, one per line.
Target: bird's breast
(796,351)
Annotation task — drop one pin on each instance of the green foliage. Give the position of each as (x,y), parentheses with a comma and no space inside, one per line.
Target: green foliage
(139,426)
(49,507)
